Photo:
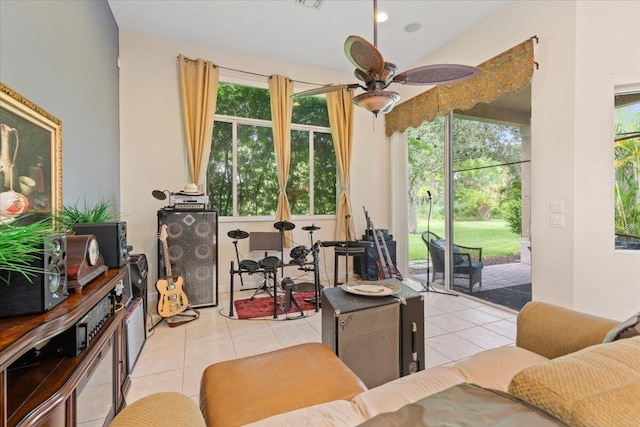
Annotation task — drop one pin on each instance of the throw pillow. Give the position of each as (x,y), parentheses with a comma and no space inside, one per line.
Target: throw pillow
(627,329)
(457,259)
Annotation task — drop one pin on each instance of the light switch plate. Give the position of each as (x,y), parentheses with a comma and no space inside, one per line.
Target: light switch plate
(556,206)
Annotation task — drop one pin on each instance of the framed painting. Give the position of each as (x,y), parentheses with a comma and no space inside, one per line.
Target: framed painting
(30,157)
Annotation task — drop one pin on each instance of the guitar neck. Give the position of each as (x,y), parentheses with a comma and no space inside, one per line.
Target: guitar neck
(167,263)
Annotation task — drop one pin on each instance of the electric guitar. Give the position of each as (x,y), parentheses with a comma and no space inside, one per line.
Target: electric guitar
(171,298)
(386,268)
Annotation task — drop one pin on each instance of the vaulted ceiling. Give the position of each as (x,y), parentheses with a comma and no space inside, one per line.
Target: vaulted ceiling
(296,31)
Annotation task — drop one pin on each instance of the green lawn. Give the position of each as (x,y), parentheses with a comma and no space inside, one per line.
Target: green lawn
(494,237)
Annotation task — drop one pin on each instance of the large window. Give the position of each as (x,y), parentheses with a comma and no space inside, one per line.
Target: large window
(627,168)
(242,176)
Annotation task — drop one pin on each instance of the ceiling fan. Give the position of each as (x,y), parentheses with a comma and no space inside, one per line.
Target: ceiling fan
(376,74)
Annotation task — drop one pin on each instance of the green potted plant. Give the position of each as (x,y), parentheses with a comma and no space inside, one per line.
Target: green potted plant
(20,246)
(68,215)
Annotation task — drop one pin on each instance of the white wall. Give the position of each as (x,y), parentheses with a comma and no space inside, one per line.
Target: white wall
(586,48)
(153,157)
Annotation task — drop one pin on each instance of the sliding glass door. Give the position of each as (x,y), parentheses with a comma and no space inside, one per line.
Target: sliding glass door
(474,189)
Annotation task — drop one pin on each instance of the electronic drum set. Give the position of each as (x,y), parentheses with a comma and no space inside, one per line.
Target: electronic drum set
(268,266)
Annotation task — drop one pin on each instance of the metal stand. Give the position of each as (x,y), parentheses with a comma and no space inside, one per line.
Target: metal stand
(426,287)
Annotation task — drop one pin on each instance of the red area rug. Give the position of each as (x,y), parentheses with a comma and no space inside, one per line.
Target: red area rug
(263,306)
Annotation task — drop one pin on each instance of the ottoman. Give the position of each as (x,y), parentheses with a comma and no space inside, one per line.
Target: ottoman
(241,391)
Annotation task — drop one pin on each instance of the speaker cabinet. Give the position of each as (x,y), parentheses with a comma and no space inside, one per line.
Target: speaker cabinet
(193,252)
(112,240)
(43,290)
(341,308)
(364,334)
(139,271)
(138,274)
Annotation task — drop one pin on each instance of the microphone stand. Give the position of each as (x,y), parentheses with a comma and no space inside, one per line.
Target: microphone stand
(426,287)
(346,248)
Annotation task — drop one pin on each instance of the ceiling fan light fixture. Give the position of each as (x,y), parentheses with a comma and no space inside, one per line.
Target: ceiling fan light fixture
(376,101)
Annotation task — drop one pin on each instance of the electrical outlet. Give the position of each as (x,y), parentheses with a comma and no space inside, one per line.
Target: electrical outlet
(557,221)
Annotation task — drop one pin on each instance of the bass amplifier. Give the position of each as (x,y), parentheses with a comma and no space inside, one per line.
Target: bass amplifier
(192,243)
(379,338)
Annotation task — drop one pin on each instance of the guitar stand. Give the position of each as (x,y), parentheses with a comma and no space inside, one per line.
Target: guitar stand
(192,316)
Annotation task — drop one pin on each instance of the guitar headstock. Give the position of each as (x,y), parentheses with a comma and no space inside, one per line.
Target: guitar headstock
(162,235)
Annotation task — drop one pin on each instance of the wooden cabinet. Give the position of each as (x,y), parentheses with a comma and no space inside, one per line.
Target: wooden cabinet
(55,389)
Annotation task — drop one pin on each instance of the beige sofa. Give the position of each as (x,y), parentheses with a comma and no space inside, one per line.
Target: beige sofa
(557,368)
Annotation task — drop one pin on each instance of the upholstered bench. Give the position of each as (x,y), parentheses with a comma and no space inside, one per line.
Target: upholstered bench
(241,391)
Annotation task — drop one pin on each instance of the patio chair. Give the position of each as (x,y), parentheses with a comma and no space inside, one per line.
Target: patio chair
(467,261)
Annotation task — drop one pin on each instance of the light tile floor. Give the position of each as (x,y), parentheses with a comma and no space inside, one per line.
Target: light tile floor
(173,359)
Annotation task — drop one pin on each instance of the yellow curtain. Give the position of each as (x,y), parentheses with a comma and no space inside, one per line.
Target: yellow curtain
(510,71)
(340,107)
(199,92)
(280,91)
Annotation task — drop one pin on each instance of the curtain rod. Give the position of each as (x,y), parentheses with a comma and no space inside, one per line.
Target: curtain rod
(534,37)
(252,73)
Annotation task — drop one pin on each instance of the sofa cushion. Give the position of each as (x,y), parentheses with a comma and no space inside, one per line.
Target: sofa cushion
(596,386)
(466,405)
(397,393)
(262,385)
(490,368)
(496,367)
(339,413)
(627,329)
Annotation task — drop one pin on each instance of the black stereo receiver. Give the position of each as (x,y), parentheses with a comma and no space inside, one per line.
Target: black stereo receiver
(77,338)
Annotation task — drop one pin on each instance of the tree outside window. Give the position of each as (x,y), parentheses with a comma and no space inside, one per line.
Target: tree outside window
(242,177)
(627,170)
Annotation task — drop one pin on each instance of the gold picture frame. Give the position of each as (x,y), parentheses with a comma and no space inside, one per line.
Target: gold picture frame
(30,157)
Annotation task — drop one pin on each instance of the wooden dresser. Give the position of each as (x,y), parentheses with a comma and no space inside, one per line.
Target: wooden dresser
(64,389)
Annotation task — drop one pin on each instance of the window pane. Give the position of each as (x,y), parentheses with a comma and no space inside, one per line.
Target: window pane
(310,110)
(298,185)
(243,101)
(627,170)
(324,167)
(220,169)
(257,176)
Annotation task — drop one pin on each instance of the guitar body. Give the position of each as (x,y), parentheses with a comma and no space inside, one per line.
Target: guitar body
(171,298)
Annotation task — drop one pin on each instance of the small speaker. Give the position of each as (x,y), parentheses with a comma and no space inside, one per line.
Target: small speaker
(41,291)
(136,327)
(139,271)
(112,240)
(193,252)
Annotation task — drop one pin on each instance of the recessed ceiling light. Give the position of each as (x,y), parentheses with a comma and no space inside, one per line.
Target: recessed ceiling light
(413,27)
(382,17)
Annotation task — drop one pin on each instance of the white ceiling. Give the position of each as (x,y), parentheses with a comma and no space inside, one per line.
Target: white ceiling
(286,30)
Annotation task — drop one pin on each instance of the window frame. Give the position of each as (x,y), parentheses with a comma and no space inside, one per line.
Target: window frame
(310,129)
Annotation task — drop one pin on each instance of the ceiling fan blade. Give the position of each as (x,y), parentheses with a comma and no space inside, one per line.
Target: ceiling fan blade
(363,55)
(325,89)
(436,74)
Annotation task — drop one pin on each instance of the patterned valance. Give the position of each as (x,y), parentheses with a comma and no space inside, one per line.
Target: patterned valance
(510,71)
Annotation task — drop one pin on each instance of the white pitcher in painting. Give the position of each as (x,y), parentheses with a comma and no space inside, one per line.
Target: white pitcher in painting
(7,159)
